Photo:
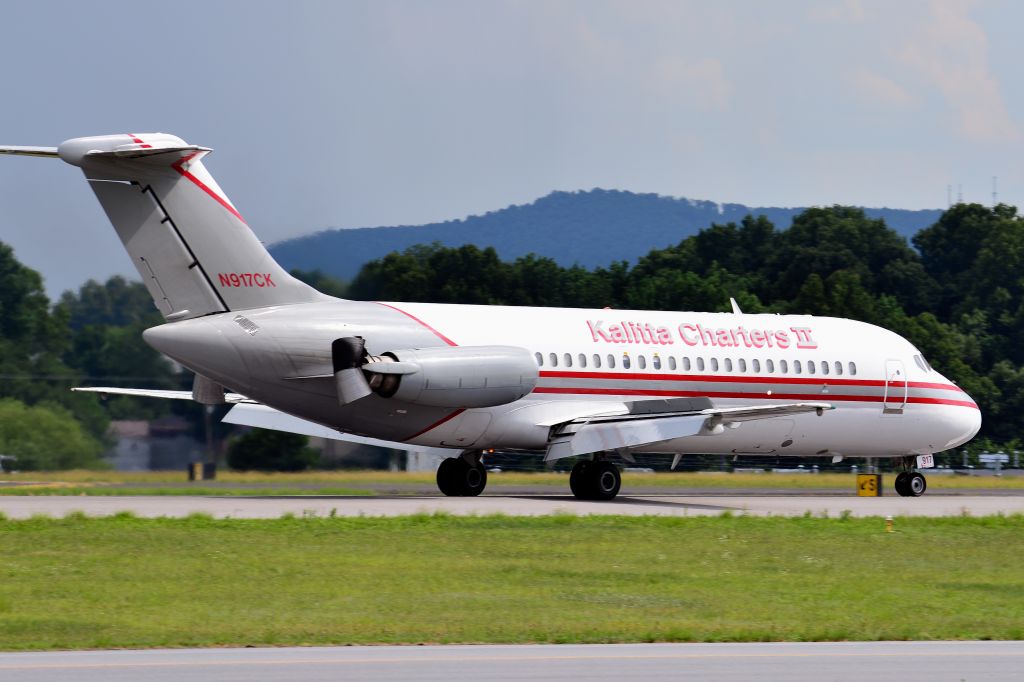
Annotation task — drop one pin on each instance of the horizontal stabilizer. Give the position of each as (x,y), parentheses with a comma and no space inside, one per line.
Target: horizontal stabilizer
(157,393)
(30,151)
(265,417)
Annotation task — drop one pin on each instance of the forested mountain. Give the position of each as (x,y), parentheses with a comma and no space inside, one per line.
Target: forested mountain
(592,228)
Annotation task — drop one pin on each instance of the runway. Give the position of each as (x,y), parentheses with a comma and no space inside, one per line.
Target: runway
(811,662)
(16,507)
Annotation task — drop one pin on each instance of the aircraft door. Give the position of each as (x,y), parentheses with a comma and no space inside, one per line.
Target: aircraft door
(895,387)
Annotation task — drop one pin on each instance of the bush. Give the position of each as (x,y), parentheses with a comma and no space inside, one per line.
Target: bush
(45,437)
(264,450)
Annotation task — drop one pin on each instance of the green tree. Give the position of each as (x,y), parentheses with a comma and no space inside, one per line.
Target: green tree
(264,450)
(45,437)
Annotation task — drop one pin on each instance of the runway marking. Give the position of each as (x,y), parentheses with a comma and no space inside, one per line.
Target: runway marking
(504,659)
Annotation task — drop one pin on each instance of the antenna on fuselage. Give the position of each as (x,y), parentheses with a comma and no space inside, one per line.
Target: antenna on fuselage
(735,306)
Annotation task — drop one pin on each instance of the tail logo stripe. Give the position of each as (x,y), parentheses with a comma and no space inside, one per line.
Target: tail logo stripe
(180,167)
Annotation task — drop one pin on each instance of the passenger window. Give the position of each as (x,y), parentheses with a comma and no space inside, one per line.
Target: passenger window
(757,366)
(783,367)
(714,364)
(770,366)
(700,364)
(641,362)
(672,363)
(656,361)
(797,369)
(853,369)
(583,360)
(824,367)
(839,368)
(597,360)
(540,359)
(743,365)
(553,357)
(686,364)
(728,365)
(810,366)
(568,360)
(625,361)
(611,361)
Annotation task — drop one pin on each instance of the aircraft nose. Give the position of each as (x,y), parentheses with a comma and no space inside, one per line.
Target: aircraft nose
(962,423)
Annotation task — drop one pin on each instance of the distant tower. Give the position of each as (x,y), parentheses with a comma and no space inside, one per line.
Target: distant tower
(949,196)
(995,191)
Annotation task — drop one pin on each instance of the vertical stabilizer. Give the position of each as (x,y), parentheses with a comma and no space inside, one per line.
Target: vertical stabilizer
(189,243)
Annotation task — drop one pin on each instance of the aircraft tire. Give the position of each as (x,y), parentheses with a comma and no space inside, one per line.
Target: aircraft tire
(901,484)
(605,481)
(448,477)
(916,484)
(474,479)
(458,478)
(577,479)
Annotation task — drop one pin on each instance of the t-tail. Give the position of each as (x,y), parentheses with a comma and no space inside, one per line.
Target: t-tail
(193,249)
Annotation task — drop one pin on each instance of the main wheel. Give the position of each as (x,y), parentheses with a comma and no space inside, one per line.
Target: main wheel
(916,484)
(577,479)
(458,478)
(595,480)
(448,475)
(901,484)
(605,481)
(474,479)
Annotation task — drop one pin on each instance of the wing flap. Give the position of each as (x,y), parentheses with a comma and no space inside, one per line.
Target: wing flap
(637,428)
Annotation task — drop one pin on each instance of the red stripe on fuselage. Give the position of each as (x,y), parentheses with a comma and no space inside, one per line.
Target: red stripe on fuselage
(822,397)
(823,379)
(416,319)
(433,426)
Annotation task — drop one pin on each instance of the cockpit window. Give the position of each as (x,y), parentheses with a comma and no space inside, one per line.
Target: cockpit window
(919,361)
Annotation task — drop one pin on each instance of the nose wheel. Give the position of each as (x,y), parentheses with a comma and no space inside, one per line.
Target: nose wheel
(462,477)
(911,484)
(598,480)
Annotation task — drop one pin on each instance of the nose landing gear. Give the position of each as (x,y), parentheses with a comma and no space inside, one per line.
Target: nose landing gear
(910,483)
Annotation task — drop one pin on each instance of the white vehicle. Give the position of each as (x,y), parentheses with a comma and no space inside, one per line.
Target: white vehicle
(567,382)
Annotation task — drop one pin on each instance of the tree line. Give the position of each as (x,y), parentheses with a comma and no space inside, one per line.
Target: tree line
(955,292)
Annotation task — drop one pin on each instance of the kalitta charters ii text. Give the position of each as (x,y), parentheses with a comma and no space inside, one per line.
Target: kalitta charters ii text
(691,334)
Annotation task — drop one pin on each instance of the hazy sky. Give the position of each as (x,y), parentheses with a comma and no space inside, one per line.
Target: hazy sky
(351,114)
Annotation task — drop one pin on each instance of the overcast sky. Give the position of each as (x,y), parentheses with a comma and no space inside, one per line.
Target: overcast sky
(352,114)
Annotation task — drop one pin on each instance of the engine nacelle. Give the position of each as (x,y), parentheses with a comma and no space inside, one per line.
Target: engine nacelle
(463,376)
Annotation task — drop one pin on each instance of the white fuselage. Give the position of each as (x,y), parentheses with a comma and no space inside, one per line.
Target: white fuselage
(888,402)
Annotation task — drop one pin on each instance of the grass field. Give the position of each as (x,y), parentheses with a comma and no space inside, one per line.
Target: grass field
(358,482)
(127,582)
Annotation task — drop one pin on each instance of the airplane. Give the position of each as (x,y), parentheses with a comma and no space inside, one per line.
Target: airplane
(596,385)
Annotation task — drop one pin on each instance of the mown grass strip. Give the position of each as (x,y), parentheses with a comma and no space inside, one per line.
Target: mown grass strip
(127,582)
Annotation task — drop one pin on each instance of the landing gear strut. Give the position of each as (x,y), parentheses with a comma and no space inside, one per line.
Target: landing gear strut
(597,480)
(910,483)
(463,476)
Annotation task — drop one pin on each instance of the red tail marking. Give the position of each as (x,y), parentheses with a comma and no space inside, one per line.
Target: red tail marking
(179,166)
(413,317)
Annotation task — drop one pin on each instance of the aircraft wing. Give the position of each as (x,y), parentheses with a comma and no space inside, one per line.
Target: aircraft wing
(640,426)
(157,393)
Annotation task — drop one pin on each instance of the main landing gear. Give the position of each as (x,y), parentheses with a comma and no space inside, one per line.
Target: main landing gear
(910,483)
(596,480)
(462,476)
